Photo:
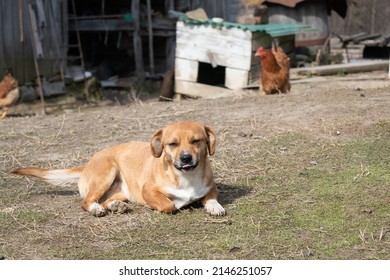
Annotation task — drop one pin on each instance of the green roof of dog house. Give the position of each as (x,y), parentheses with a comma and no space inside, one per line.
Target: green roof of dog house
(274,30)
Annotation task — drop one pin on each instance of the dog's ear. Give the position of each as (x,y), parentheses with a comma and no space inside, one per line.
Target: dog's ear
(156,145)
(211,140)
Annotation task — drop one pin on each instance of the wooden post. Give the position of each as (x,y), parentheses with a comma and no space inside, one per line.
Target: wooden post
(171,43)
(34,35)
(389,69)
(64,36)
(167,87)
(150,31)
(139,64)
(21,21)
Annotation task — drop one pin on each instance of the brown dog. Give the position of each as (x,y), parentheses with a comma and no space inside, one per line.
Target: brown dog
(170,172)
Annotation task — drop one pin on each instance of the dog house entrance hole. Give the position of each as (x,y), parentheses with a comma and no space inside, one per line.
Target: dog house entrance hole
(209,75)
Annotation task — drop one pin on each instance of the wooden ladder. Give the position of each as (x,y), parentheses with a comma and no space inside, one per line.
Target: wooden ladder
(77,45)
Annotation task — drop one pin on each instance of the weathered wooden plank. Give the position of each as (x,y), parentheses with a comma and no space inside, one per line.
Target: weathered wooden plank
(160,26)
(201,90)
(236,78)
(35,35)
(40,10)
(215,35)
(213,57)
(348,68)
(186,70)
(221,44)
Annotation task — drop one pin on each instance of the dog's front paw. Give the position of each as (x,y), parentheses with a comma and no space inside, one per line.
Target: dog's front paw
(214,208)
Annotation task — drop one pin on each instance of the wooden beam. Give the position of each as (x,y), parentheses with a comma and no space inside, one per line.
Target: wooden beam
(201,90)
(150,33)
(162,27)
(101,25)
(186,69)
(236,78)
(347,68)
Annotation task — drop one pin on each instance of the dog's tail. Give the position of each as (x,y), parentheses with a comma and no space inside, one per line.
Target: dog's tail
(54,177)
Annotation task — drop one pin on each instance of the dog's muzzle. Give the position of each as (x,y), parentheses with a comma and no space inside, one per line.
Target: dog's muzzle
(186,163)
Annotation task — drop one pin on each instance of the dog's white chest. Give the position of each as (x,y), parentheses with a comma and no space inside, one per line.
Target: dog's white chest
(190,190)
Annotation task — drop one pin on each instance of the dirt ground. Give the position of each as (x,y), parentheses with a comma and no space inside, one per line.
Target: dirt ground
(36,217)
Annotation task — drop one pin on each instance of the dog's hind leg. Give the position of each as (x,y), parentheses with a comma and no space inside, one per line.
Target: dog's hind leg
(94,186)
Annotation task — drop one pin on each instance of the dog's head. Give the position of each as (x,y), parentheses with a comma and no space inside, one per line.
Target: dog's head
(185,144)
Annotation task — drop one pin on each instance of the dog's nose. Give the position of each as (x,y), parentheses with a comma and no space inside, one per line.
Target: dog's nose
(186,158)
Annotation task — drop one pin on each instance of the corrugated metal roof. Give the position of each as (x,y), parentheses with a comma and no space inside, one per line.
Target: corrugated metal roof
(274,30)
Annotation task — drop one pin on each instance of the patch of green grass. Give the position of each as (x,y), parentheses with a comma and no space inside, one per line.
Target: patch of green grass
(328,199)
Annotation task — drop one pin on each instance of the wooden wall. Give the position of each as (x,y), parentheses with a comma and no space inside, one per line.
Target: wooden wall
(15,37)
(370,16)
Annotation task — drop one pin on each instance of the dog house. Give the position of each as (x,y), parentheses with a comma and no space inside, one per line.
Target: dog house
(216,59)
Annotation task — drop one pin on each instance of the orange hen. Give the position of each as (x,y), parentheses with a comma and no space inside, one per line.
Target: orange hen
(275,71)
(9,93)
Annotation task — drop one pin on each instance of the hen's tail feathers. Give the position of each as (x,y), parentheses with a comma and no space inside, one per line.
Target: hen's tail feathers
(55,177)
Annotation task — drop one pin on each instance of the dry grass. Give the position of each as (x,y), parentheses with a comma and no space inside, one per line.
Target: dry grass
(293,187)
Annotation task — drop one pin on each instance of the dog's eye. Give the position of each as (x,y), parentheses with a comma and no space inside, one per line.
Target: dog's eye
(173,144)
(196,141)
